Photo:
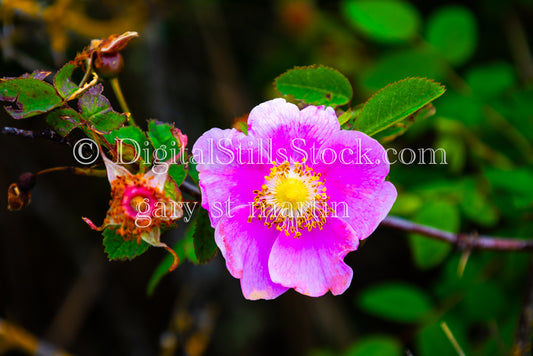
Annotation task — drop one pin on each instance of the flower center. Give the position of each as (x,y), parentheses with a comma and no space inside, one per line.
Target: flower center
(137,200)
(291,192)
(293,198)
(136,207)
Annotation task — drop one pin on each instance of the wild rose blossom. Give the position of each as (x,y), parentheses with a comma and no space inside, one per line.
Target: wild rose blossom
(139,208)
(289,200)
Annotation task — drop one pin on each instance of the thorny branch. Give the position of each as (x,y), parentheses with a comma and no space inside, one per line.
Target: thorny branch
(461,240)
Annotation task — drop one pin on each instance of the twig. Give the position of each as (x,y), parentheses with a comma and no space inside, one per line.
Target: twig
(46,133)
(191,189)
(522,344)
(463,241)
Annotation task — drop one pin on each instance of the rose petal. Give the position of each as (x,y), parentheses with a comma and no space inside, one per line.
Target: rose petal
(366,207)
(293,133)
(231,166)
(355,180)
(156,180)
(313,263)
(114,170)
(358,158)
(246,248)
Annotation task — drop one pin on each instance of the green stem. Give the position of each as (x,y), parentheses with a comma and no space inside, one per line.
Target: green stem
(122,102)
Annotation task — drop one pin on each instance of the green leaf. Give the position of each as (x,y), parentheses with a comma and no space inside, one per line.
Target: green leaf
(484,301)
(193,172)
(205,247)
(165,140)
(30,97)
(63,81)
(184,249)
(399,129)
(455,149)
(406,204)
(477,206)
(491,80)
(119,249)
(347,116)
(377,345)
(63,120)
(244,127)
(418,62)
(432,341)
(96,108)
(396,301)
(347,119)
(132,145)
(315,85)
(514,184)
(452,31)
(396,101)
(178,172)
(428,253)
(385,21)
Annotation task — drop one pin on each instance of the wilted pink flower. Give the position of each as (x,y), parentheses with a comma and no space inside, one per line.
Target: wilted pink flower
(292,198)
(139,207)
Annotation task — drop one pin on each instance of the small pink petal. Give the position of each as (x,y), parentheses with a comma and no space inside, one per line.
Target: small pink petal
(114,170)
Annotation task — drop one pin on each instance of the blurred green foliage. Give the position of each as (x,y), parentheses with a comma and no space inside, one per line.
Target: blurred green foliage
(484,122)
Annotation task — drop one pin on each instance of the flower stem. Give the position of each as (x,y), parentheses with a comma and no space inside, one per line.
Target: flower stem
(86,74)
(120,97)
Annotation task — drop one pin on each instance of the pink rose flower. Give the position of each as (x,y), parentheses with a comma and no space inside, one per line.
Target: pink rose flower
(133,194)
(289,200)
